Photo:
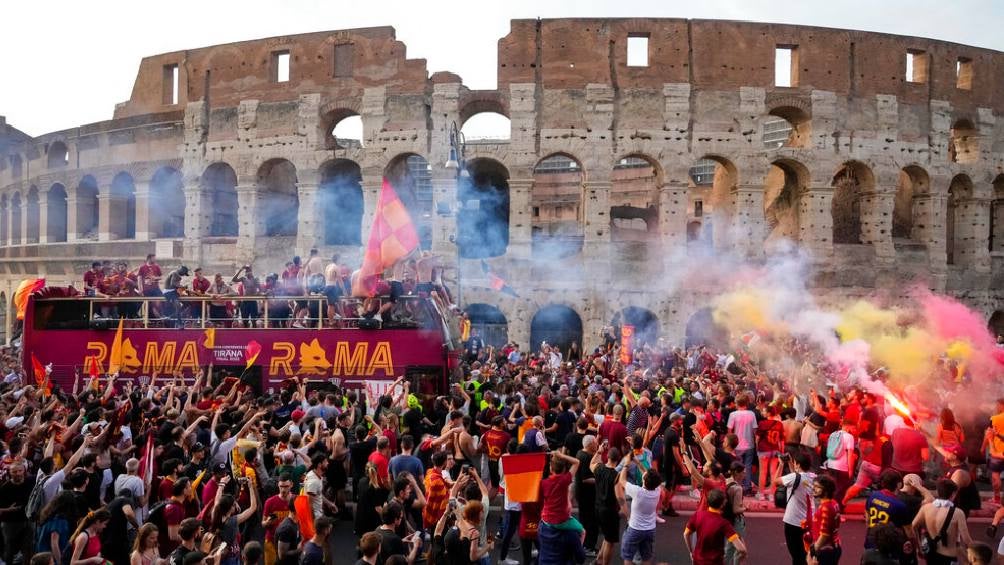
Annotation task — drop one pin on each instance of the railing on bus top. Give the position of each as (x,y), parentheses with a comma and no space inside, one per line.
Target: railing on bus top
(258,311)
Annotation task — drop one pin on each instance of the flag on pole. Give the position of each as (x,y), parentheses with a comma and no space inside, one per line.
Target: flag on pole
(209,341)
(523,474)
(251,353)
(496,282)
(115,357)
(38,369)
(92,369)
(627,336)
(392,238)
(146,460)
(24,290)
(304,516)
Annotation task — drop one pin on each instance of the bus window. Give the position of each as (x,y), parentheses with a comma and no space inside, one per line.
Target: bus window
(61,315)
(425,384)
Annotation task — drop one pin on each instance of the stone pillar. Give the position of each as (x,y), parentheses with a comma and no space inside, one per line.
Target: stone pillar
(748,223)
(43,216)
(24,220)
(520,218)
(445,209)
(596,230)
(815,220)
(147,224)
(71,216)
(198,219)
(929,227)
(250,225)
(310,228)
(673,221)
(972,232)
(371,194)
(876,222)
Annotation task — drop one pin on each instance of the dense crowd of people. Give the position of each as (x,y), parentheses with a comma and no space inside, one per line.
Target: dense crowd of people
(194,470)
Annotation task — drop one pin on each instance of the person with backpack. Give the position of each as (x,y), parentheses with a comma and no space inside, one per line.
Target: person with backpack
(734,510)
(55,527)
(798,500)
(942,529)
(840,459)
(168,514)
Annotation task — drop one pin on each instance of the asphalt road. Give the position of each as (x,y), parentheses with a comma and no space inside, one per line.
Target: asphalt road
(764,537)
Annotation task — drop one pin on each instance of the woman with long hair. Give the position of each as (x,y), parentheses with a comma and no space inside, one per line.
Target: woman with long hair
(372,497)
(949,430)
(144,549)
(54,533)
(225,522)
(86,540)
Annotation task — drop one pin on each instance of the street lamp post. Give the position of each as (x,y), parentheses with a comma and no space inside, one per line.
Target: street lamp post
(457,162)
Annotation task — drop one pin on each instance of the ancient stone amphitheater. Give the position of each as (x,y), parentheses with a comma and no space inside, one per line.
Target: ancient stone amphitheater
(638,149)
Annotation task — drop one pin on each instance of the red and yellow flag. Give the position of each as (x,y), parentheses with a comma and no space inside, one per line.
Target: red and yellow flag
(392,238)
(304,516)
(627,336)
(24,290)
(92,369)
(115,356)
(251,353)
(210,338)
(41,378)
(523,473)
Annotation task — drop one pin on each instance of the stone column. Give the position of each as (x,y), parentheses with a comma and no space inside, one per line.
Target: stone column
(596,230)
(815,220)
(147,227)
(43,215)
(250,225)
(520,218)
(24,220)
(748,222)
(72,222)
(929,227)
(972,232)
(445,209)
(198,219)
(310,228)
(673,221)
(371,193)
(876,222)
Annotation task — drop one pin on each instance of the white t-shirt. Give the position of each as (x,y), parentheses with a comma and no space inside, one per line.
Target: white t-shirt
(644,504)
(847,443)
(796,510)
(313,485)
(742,423)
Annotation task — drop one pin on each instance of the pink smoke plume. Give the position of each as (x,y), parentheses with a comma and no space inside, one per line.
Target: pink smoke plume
(951,320)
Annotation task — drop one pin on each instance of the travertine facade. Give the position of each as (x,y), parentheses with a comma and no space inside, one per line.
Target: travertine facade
(888,165)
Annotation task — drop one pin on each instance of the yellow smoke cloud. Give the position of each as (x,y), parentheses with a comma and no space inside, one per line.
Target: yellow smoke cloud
(743,310)
(908,356)
(863,320)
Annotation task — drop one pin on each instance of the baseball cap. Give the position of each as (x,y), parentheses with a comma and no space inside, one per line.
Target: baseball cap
(198,447)
(220,469)
(297,414)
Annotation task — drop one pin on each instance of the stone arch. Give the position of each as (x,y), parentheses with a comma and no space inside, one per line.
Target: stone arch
(341,195)
(486,127)
(4,219)
(997,216)
(482,102)
(87,211)
(483,222)
(787,124)
(964,142)
(411,177)
(712,179)
(702,330)
(645,322)
(996,323)
(343,129)
(220,182)
(913,182)
(784,186)
(958,236)
(556,207)
(852,179)
(490,322)
(167,204)
(278,203)
(558,325)
(15,219)
(56,214)
(122,207)
(57,155)
(634,198)
(32,216)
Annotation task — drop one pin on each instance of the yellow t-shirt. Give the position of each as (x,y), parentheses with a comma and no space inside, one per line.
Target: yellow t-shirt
(997,439)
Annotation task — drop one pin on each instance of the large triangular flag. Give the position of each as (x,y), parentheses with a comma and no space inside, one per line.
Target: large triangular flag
(115,357)
(392,238)
(24,290)
(251,353)
(92,369)
(523,473)
(38,369)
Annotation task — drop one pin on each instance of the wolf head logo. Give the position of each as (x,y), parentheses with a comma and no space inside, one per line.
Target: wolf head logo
(313,360)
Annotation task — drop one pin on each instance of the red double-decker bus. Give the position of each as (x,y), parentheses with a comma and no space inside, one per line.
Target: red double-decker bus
(418,338)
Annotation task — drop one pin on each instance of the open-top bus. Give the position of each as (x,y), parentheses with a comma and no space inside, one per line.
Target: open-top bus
(418,339)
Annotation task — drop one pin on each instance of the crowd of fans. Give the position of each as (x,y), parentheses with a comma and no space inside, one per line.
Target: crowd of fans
(416,479)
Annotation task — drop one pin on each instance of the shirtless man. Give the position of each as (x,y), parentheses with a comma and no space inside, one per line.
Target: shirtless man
(332,290)
(792,431)
(932,515)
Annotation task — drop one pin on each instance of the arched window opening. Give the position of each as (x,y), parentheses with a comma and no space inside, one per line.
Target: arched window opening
(220,181)
(957,244)
(123,207)
(32,216)
(964,145)
(278,201)
(786,126)
(556,202)
(634,200)
(57,155)
(849,183)
(709,200)
(997,216)
(483,219)
(558,326)
(490,323)
(486,127)
(342,202)
(345,130)
(87,209)
(702,330)
(411,177)
(645,323)
(913,182)
(167,204)
(783,188)
(996,324)
(55,228)
(15,219)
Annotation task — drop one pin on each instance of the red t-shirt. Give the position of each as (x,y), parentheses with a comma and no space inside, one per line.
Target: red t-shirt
(906,447)
(769,434)
(495,442)
(554,493)
(278,507)
(382,465)
(709,485)
(165,488)
(92,279)
(826,519)
(711,531)
(147,272)
(614,432)
(173,515)
(201,285)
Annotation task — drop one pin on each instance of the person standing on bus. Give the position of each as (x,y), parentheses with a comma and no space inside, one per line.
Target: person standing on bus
(200,287)
(247,285)
(173,292)
(218,306)
(332,288)
(149,281)
(92,278)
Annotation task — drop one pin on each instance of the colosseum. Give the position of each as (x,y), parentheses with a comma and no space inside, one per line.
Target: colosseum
(636,148)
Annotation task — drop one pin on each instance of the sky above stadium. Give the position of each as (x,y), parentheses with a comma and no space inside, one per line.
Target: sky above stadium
(67,63)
